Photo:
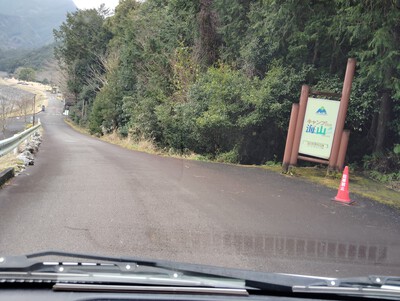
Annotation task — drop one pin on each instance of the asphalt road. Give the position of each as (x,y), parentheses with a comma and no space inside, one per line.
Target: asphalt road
(85,195)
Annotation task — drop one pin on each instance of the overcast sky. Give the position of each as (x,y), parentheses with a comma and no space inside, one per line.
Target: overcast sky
(84,4)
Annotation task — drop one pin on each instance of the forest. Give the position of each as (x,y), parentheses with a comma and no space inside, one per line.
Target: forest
(218,77)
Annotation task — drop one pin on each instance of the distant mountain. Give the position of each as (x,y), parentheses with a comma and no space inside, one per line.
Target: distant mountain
(28,24)
(10,60)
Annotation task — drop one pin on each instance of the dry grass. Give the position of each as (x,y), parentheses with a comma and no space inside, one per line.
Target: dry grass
(143,145)
(10,160)
(76,127)
(147,146)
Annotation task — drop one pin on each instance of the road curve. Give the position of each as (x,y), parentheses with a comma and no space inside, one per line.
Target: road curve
(85,195)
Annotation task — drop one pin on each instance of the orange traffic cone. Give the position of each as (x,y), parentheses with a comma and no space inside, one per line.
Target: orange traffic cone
(343,191)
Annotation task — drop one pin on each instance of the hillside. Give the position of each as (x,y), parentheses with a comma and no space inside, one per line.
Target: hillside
(29,23)
(12,59)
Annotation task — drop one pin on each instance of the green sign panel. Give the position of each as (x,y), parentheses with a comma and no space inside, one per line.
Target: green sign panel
(319,127)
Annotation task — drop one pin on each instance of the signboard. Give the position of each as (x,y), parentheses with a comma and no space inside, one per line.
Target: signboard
(319,127)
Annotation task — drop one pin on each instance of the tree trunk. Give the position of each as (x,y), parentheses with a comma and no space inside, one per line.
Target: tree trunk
(384,112)
(209,42)
(332,65)
(372,130)
(83,110)
(383,120)
(315,56)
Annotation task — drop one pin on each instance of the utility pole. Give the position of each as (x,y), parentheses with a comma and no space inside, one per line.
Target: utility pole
(34,106)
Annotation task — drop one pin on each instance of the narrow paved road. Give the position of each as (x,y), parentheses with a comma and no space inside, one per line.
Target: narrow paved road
(84,195)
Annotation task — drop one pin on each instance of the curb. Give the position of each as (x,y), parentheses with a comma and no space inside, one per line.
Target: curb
(6,175)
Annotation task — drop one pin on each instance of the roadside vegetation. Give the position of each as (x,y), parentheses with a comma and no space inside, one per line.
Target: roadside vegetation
(217,78)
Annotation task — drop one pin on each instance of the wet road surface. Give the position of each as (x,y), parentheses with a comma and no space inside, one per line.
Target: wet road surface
(85,195)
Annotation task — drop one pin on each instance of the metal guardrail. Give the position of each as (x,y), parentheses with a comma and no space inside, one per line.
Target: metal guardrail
(9,144)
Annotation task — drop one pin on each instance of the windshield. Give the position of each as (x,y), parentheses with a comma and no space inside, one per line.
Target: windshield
(245,134)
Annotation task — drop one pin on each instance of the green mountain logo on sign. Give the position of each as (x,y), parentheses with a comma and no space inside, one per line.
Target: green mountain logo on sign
(322,111)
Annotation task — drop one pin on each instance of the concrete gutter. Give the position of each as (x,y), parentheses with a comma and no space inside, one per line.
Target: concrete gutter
(5,175)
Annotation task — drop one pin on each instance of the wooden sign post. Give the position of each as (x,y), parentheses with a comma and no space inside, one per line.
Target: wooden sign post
(322,139)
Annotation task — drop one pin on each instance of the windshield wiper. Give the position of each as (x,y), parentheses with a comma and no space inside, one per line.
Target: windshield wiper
(142,271)
(372,286)
(86,272)
(94,270)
